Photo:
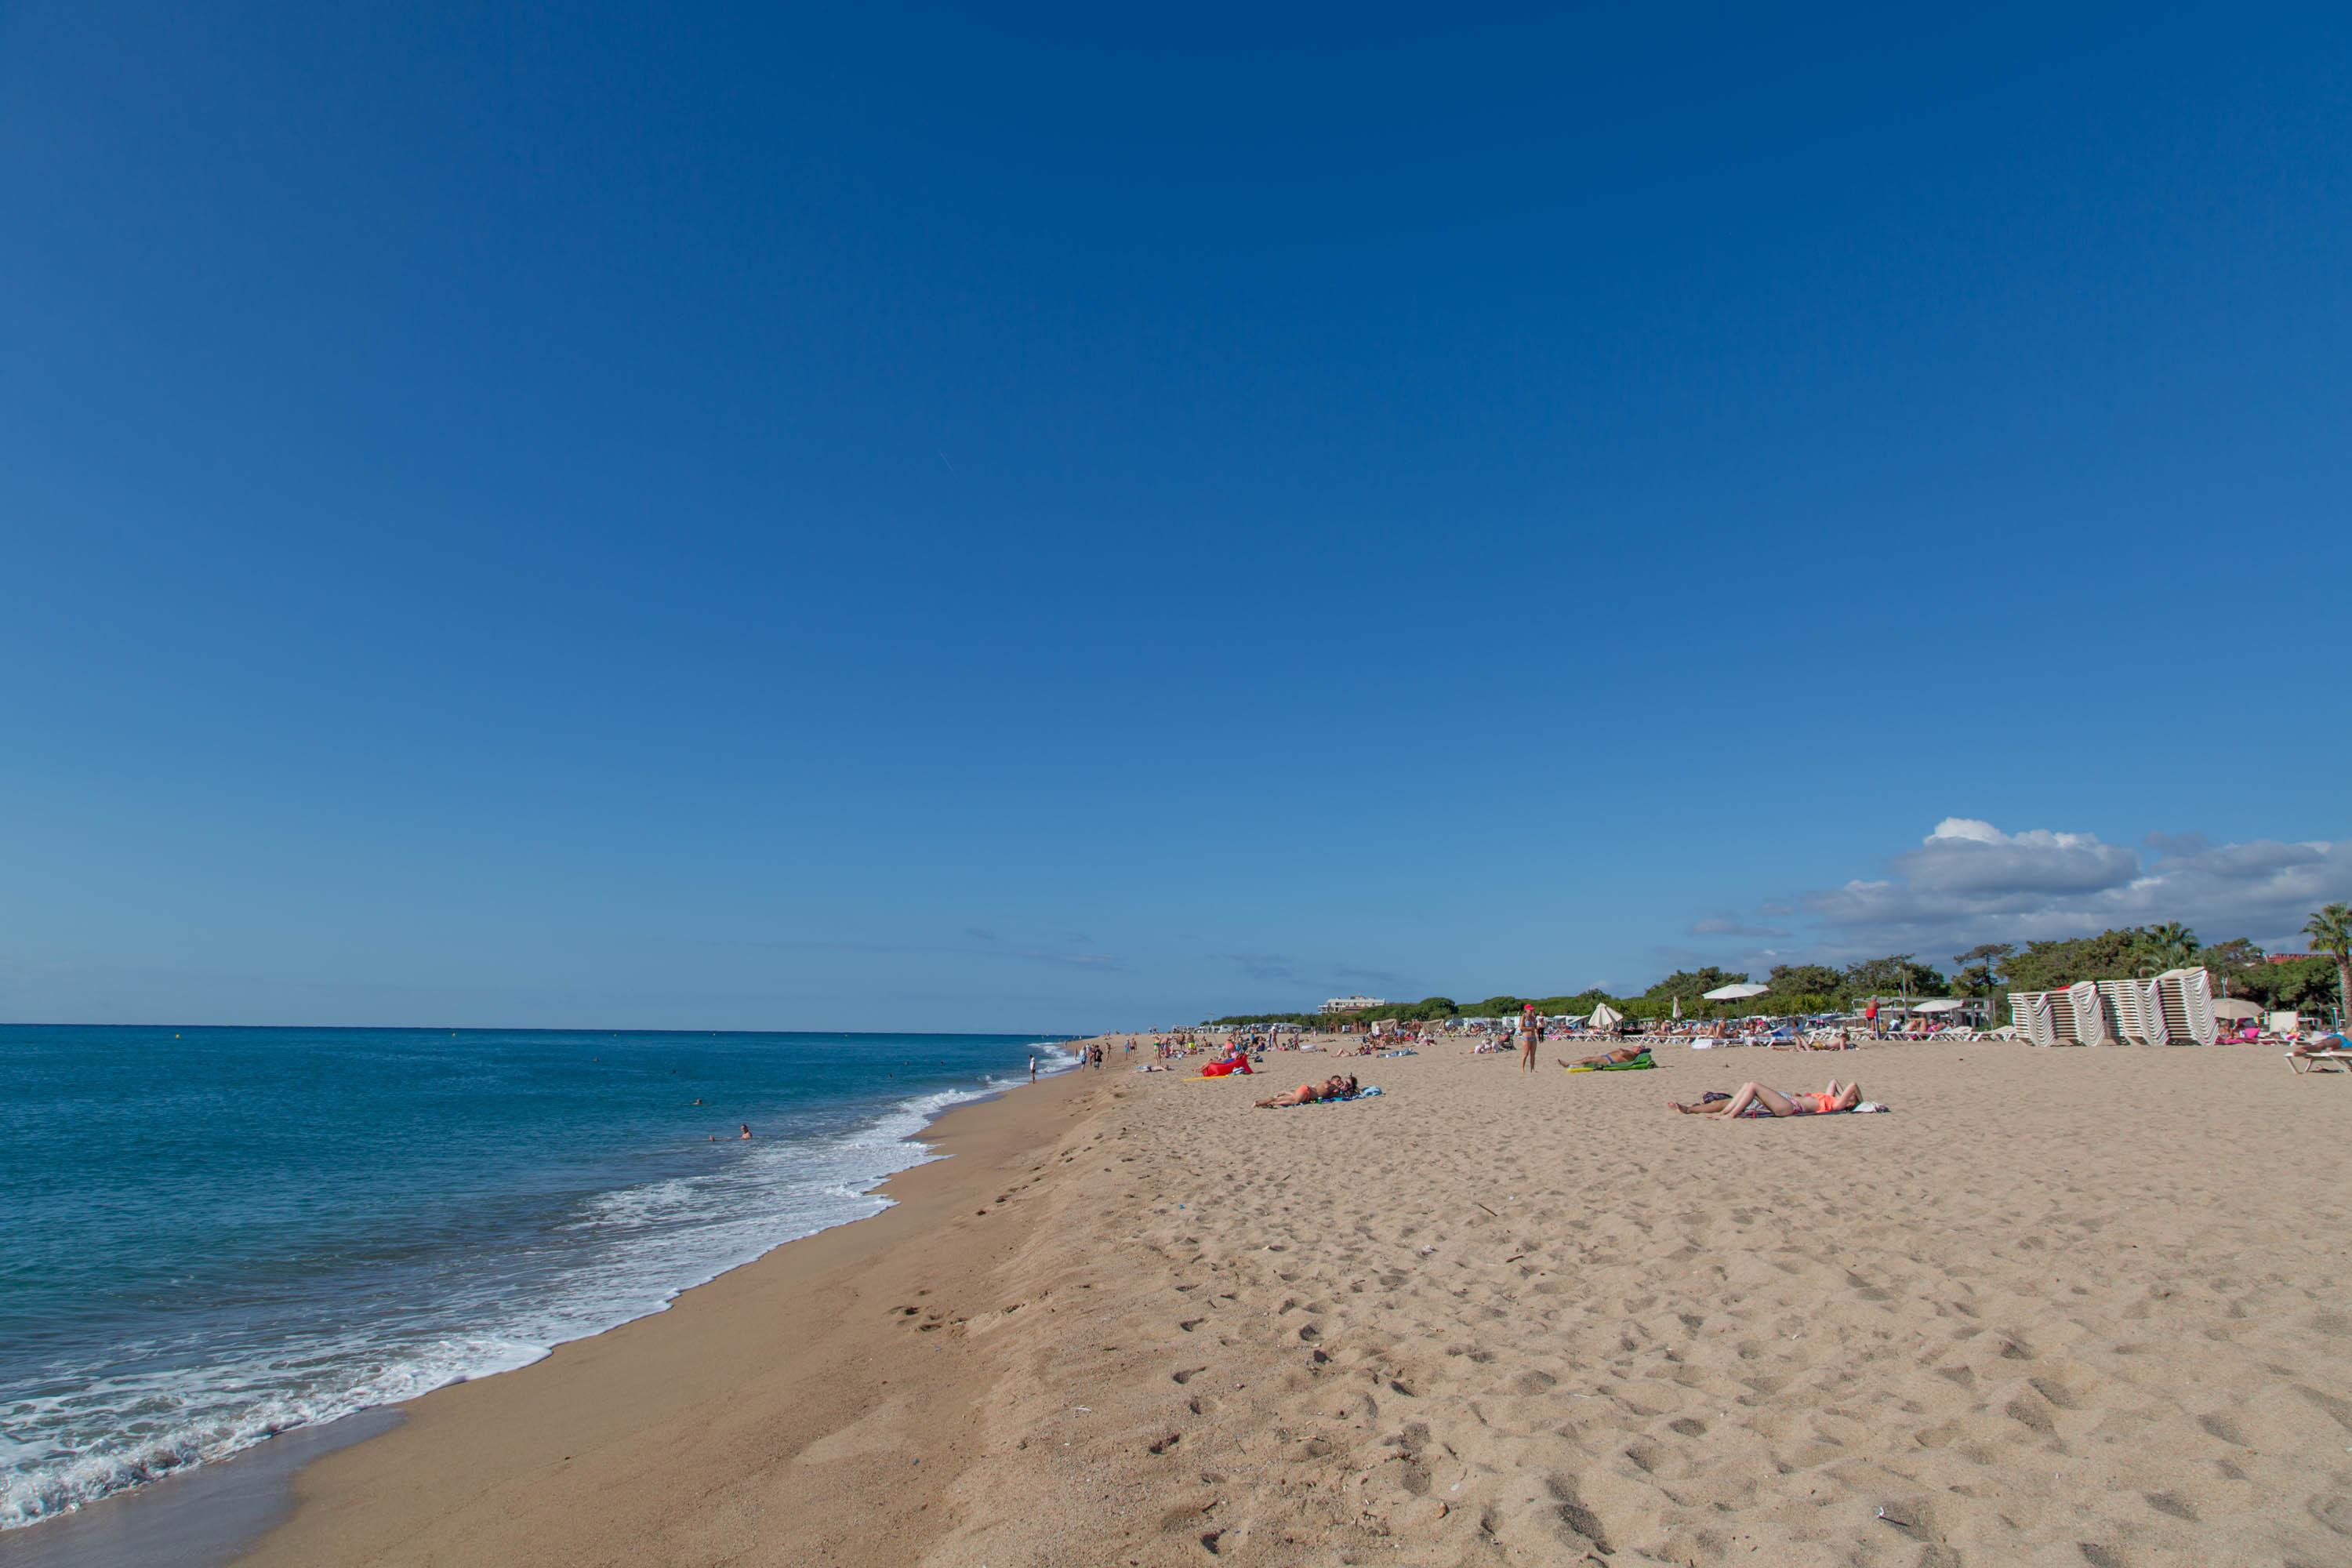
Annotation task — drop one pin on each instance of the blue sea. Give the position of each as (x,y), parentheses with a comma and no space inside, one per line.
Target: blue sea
(211,1236)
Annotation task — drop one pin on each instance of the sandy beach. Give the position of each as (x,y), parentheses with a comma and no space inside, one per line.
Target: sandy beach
(2059,1307)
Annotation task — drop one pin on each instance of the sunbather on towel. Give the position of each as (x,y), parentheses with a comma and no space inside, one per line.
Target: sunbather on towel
(1608,1059)
(1339,1086)
(1755,1099)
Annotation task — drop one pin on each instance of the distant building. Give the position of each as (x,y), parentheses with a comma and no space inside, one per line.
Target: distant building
(1351,1003)
(2287,957)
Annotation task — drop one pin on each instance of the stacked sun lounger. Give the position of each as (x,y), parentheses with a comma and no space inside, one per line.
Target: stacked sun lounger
(2090,1010)
(2076,1015)
(2175,1008)
(2063,1023)
(2030,1013)
(2185,996)
(2137,1014)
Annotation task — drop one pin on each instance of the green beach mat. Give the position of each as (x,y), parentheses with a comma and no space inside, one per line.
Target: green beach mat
(1636,1065)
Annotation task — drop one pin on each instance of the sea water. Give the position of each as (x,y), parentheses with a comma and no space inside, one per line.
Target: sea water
(211,1236)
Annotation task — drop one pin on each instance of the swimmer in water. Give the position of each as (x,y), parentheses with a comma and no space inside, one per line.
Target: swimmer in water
(745,1132)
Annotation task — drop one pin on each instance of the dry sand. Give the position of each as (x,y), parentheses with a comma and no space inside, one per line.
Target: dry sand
(2060,1307)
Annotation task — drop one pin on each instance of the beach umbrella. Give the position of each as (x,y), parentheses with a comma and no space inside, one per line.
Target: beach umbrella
(1939,1004)
(1738,992)
(1678,1007)
(2230,1007)
(1605,1017)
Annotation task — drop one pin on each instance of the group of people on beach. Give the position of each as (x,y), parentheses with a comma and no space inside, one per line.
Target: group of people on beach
(1749,1100)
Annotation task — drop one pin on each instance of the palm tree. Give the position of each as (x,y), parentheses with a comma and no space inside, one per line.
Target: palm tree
(2330,932)
(2171,945)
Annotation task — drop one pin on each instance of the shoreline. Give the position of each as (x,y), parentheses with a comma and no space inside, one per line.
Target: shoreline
(543,1442)
(216,1513)
(201,1516)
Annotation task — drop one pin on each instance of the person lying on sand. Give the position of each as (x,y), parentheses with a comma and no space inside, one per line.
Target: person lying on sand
(1755,1099)
(1339,1086)
(1608,1059)
(1839,1041)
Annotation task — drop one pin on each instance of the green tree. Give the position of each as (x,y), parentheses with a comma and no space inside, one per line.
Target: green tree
(1804,979)
(2167,946)
(2305,984)
(2330,931)
(1690,984)
(1569,1006)
(2237,965)
(2052,965)
(1980,972)
(1898,973)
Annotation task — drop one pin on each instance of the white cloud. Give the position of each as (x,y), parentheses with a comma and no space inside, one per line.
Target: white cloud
(1963,856)
(1968,881)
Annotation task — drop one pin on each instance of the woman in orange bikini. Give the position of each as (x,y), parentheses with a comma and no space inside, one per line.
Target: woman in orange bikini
(1755,1099)
(1340,1085)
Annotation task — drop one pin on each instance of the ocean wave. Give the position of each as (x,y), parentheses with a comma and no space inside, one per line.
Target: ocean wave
(173,1422)
(623,1255)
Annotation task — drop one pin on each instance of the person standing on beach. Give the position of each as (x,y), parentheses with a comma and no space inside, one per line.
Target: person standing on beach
(1527,1037)
(1032,1067)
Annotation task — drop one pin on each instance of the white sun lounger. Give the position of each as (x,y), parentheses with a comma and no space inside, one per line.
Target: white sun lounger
(2308,1061)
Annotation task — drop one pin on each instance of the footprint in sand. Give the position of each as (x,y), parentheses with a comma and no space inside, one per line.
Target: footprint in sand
(2219,1426)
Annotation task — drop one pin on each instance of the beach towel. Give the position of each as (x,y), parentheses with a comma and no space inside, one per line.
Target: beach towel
(1366,1092)
(1636,1065)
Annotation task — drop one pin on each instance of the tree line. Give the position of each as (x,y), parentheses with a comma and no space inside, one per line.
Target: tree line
(1989,970)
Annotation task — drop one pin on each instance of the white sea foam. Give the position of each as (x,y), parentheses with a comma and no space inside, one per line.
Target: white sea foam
(634,1250)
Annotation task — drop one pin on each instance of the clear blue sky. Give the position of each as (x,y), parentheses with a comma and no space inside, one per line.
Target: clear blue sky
(1041,516)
